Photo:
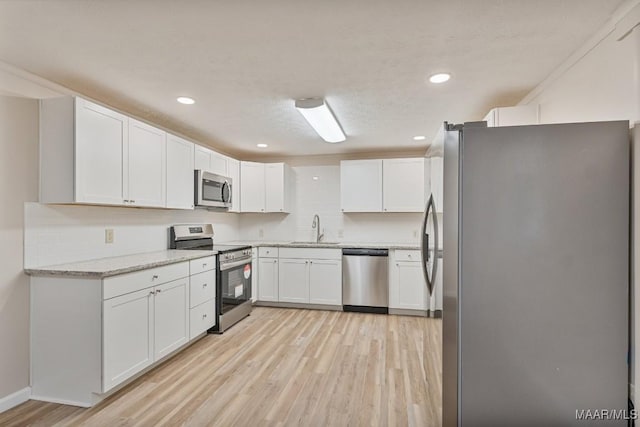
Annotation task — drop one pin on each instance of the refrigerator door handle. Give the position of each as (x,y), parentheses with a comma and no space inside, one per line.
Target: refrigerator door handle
(425,244)
(434,262)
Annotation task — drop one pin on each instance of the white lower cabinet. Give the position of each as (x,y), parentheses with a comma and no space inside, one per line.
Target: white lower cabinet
(90,335)
(407,287)
(325,282)
(293,280)
(303,276)
(202,317)
(202,296)
(268,275)
(142,327)
(128,336)
(171,315)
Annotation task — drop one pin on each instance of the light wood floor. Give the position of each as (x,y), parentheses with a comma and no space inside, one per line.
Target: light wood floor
(280,367)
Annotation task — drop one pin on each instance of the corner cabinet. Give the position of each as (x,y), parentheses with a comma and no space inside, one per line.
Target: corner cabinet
(265,187)
(180,178)
(211,161)
(518,115)
(91,154)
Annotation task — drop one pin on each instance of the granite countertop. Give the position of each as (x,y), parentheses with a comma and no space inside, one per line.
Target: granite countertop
(105,267)
(337,245)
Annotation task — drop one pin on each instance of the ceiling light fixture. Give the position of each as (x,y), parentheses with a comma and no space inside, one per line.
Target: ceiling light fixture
(186,100)
(439,78)
(317,112)
(419,138)
(261,145)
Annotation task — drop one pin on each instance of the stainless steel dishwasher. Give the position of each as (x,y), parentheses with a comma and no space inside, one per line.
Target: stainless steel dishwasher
(365,280)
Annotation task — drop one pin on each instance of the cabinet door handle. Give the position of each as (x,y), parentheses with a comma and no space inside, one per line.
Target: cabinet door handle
(204,316)
(275,260)
(155,276)
(132,201)
(204,285)
(158,291)
(151,293)
(204,264)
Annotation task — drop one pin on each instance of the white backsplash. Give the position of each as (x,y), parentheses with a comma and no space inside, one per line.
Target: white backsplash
(56,234)
(322,197)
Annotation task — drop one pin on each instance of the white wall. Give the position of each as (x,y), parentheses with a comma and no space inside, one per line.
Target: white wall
(322,197)
(56,234)
(18,184)
(603,83)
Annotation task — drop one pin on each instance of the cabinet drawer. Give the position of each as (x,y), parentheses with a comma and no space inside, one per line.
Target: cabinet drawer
(408,255)
(203,287)
(202,264)
(311,253)
(268,252)
(202,318)
(131,282)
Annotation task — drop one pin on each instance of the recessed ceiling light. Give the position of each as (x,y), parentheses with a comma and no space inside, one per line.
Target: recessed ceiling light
(186,100)
(419,137)
(315,178)
(439,78)
(261,145)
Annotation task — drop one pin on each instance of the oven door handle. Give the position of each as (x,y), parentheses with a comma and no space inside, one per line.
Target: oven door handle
(227,266)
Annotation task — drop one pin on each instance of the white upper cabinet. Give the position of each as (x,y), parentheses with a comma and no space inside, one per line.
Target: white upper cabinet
(146,177)
(233,168)
(100,152)
(361,185)
(265,187)
(180,177)
(513,116)
(252,187)
(211,161)
(403,186)
(92,154)
(437,181)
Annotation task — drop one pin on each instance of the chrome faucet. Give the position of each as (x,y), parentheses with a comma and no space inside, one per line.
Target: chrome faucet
(316,226)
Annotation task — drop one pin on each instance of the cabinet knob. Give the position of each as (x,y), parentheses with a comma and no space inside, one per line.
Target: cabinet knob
(306,262)
(158,291)
(155,276)
(151,293)
(204,285)
(275,260)
(204,264)
(132,201)
(204,316)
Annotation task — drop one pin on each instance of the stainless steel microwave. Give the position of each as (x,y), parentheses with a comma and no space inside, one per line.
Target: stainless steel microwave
(212,191)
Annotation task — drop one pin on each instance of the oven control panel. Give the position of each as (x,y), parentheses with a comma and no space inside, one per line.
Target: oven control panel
(235,255)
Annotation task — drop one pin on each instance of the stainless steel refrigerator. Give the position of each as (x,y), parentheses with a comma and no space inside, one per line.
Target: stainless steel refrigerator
(536,273)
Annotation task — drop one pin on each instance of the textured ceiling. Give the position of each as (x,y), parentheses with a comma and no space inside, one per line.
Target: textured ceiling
(246,61)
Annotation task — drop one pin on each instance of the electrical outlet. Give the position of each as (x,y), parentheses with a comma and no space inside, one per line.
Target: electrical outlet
(341,233)
(261,233)
(108,235)
(415,233)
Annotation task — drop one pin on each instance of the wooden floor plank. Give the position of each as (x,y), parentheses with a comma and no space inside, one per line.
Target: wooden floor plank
(280,367)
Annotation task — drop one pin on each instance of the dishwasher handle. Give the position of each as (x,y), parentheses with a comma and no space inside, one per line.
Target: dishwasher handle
(365,252)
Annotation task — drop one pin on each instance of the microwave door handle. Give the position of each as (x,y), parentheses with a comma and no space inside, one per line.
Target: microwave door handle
(226,186)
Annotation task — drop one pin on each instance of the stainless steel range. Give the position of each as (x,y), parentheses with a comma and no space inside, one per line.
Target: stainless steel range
(233,272)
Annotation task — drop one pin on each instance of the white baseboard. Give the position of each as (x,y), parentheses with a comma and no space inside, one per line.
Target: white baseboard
(15,399)
(62,401)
